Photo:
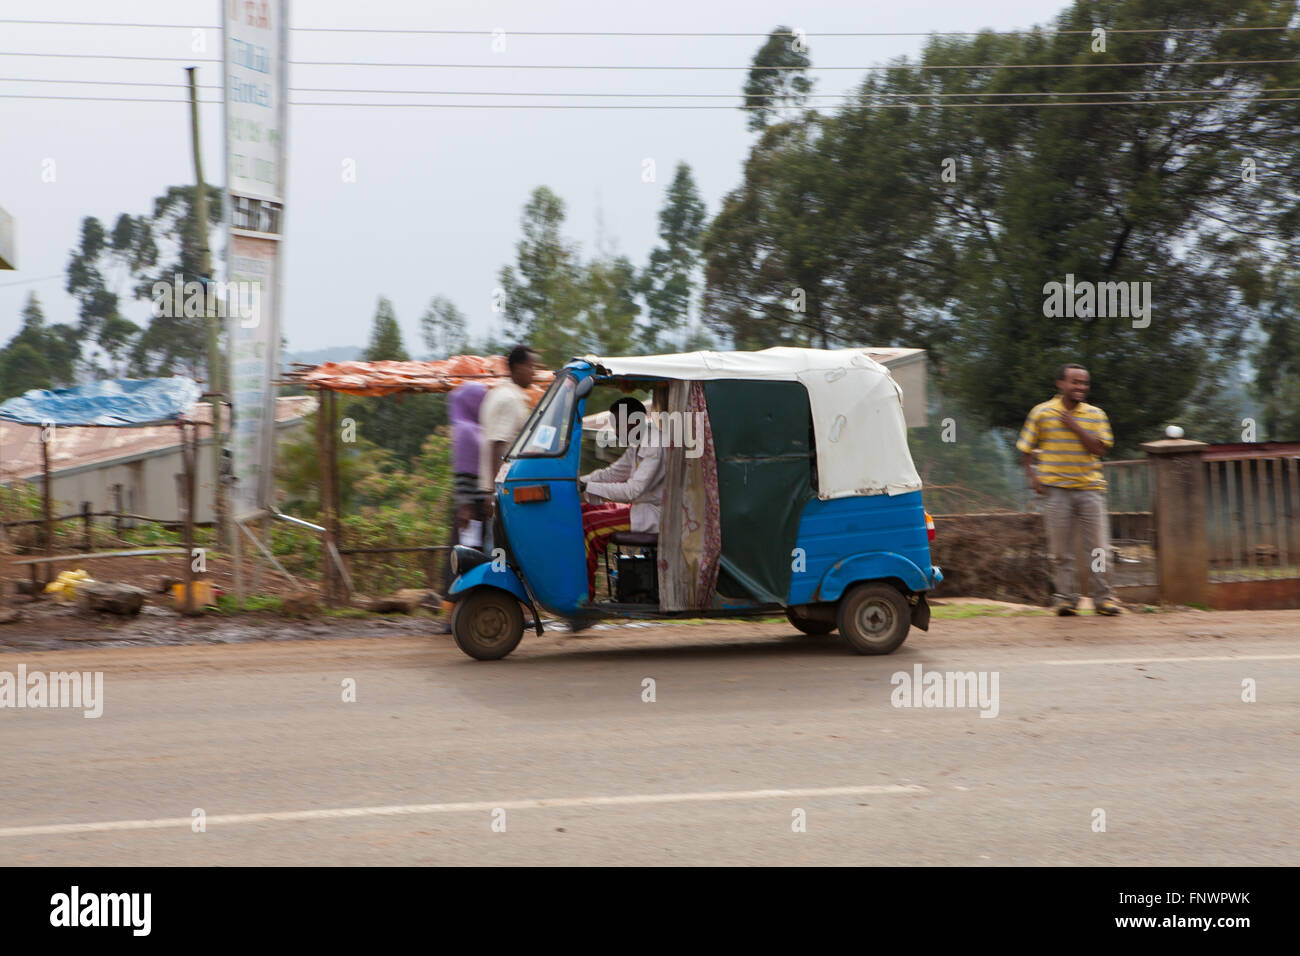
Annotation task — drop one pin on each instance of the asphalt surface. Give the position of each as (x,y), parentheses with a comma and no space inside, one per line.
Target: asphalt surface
(554,756)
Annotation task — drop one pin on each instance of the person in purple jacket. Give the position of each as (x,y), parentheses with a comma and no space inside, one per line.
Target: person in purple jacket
(469,502)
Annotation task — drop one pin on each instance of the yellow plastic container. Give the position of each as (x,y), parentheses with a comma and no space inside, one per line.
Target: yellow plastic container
(203,595)
(64,587)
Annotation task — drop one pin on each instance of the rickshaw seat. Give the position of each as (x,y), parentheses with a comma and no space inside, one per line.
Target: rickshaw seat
(644,539)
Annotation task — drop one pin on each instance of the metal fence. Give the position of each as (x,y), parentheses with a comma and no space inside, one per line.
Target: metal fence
(1132,525)
(1253,505)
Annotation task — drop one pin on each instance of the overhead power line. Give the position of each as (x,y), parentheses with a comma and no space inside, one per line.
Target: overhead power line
(597,34)
(898,106)
(668,106)
(97,82)
(674,67)
(57,275)
(105,99)
(729,95)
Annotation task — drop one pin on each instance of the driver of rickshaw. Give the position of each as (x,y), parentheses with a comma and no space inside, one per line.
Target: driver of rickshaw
(626,495)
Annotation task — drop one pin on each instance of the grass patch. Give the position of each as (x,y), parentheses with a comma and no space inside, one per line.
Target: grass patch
(345,612)
(957,612)
(227,604)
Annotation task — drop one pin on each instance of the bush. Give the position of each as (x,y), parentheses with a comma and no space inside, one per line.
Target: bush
(392,508)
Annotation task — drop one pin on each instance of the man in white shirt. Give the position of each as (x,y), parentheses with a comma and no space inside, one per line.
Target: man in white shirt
(502,416)
(626,495)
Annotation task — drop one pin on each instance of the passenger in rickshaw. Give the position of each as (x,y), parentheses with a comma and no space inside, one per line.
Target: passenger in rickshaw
(625,496)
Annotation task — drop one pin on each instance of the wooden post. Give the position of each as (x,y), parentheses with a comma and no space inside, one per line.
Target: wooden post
(188,455)
(328,571)
(209,321)
(336,507)
(1178,502)
(47,504)
(237,555)
(85,527)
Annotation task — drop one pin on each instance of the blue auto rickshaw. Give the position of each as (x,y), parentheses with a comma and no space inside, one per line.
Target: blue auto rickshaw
(788,487)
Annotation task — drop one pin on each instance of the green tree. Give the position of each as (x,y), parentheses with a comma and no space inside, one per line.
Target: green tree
(298,472)
(543,288)
(609,306)
(97,270)
(908,218)
(770,253)
(22,367)
(107,269)
(177,342)
(444,328)
(39,355)
(777,79)
(385,336)
(1106,194)
(1277,361)
(669,279)
(399,423)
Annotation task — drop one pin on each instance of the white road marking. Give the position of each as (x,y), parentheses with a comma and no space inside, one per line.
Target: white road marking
(481,806)
(1177,660)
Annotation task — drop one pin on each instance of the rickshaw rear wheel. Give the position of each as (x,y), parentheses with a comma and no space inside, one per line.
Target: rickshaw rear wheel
(807,624)
(874,618)
(487,624)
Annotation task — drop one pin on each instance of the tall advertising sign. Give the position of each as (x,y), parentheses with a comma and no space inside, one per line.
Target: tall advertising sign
(7,255)
(255,55)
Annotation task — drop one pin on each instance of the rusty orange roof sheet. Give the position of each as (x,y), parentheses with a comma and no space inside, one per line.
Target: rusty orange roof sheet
(390,378)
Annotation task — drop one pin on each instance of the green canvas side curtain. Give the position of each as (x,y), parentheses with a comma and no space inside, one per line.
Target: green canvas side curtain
(761,434)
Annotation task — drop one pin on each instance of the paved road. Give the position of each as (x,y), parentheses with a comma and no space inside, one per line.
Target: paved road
(1141,718)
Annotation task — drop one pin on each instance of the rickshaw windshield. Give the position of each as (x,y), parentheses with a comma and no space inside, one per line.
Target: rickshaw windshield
(547,432)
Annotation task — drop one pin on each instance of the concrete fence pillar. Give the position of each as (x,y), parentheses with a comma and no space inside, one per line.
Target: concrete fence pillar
(1178,503)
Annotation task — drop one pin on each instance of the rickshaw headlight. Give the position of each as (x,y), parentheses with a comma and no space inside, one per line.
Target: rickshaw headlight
(464,558)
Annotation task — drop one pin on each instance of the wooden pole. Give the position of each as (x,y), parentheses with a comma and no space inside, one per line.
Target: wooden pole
(237,555)
(336,507)
(188,455)
(329,475)
(328,572)
(210,321)
(47,504)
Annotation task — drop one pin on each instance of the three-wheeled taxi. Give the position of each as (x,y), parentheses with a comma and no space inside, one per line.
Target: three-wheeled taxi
(787,485)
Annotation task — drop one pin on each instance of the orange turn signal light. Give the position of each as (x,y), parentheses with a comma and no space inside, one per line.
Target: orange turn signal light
(526,493)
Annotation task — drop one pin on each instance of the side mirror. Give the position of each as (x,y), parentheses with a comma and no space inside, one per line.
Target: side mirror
(585,387)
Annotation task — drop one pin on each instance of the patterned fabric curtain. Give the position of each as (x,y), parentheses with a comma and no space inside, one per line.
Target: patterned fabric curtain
(690,533)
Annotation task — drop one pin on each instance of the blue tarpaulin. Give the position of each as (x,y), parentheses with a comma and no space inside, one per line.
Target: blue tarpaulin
(121,402)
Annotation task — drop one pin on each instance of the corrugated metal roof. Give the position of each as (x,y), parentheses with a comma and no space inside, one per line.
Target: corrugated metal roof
(76,446)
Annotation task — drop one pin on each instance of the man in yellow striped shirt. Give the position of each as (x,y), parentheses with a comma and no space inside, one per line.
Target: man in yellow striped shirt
(1061,445)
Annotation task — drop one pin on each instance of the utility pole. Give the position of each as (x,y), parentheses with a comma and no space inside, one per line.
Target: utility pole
(209,321)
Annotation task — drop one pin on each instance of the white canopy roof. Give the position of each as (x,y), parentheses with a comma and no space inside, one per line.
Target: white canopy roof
(857,407)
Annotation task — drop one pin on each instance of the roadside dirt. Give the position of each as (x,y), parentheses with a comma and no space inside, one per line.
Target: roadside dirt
(143,642)
(144,572)
(46,624)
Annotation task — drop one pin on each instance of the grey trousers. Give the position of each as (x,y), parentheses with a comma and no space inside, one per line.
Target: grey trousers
(1075,517)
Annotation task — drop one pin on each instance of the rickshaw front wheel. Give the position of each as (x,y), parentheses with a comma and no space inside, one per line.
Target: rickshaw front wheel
(487,624)
(874,618)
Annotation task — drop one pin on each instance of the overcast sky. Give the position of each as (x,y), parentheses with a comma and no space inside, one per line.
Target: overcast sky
(438,193)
